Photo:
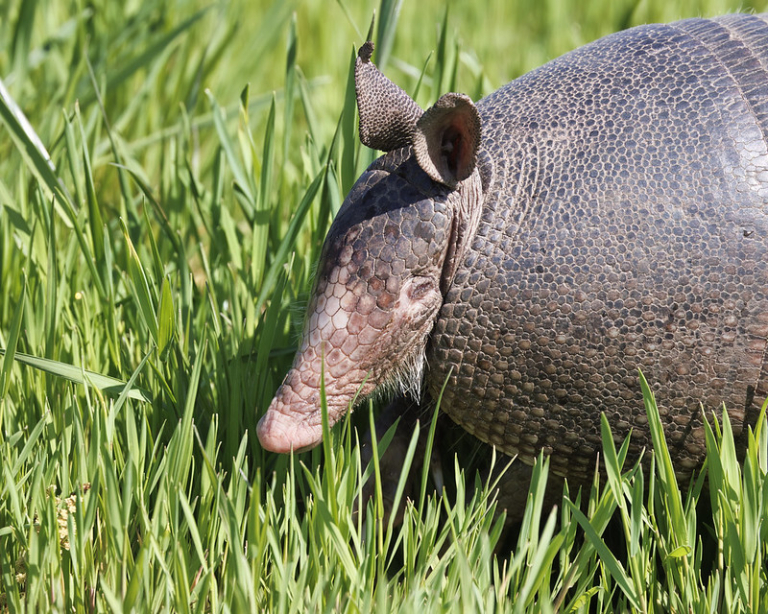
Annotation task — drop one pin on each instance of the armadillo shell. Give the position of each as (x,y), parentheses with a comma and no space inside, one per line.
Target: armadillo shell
(626,228)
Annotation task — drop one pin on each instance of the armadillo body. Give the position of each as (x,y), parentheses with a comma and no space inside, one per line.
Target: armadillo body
(608,214)
(629,231)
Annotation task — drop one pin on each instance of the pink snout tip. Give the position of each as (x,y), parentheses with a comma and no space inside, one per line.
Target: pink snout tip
(281,433)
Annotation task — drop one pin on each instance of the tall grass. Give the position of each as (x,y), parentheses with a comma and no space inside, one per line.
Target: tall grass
(167,173)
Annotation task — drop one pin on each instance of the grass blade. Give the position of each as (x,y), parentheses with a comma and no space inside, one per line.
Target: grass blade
(389,12)
(289,240)
(13,339)
(31,148)
(607,558)
(78,375)
(141,290)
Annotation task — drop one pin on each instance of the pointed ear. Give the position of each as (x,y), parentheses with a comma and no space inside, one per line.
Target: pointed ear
(447,138)
(388,115)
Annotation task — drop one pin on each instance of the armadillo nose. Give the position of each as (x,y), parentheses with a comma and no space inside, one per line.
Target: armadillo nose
(282,433)
(294,419)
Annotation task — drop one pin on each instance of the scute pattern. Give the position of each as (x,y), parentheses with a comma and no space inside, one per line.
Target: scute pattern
(388,115)
(626,228)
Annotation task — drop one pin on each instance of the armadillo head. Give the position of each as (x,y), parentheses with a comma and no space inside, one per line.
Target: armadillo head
(388,259)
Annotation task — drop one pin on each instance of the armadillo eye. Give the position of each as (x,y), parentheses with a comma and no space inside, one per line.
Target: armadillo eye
(419,288)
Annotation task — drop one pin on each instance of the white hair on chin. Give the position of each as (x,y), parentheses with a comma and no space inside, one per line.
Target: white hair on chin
(407,377)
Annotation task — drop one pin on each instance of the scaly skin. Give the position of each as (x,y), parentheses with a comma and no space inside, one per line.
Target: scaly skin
(607,213)
(626,229)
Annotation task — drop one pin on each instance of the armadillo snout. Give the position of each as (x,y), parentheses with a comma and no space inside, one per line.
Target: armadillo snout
(291,422)
(294,418)
(334,348)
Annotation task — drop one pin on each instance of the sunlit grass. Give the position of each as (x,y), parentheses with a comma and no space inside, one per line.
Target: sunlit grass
(168,171)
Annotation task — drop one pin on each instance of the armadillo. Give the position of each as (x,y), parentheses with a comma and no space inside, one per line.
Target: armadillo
(602,215)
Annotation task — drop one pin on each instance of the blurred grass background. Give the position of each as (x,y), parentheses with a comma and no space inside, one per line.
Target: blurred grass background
(168,171)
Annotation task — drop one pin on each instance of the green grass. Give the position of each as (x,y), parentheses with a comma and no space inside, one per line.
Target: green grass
(167,173)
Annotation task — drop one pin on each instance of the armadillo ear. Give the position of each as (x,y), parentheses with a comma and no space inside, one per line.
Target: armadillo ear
(388,115)
(447,138)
